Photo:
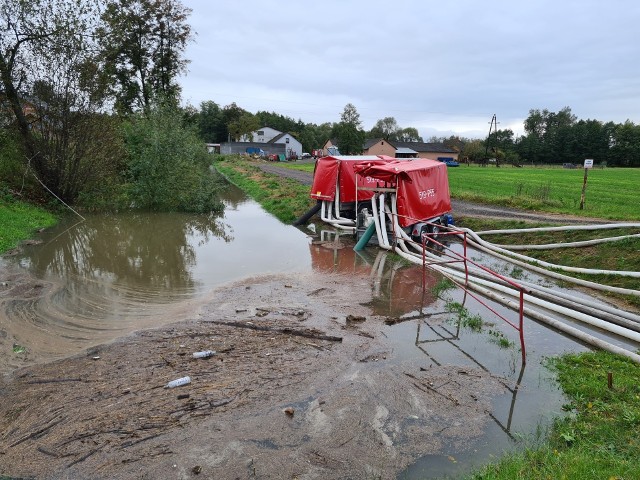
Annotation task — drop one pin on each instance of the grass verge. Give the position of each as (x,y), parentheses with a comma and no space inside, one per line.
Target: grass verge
(599,440)
(285,198)
(20,221)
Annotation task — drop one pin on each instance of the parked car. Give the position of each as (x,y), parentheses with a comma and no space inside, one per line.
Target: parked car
(448,161)
(305,155)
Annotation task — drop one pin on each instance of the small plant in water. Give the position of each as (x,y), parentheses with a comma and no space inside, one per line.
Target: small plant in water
(443,285)
(474,322)
(499,338)
(517,272)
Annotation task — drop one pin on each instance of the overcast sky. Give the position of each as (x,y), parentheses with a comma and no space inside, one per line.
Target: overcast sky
(441,66)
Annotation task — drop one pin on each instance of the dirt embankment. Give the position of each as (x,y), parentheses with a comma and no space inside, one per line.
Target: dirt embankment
(295,390)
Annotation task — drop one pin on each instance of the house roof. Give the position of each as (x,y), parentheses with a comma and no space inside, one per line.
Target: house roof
(370,142)
(278,137)
(424,147)
(414,147)
(405,150)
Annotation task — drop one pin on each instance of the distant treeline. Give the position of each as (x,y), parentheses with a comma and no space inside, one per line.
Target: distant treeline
(557,138)
(550,137)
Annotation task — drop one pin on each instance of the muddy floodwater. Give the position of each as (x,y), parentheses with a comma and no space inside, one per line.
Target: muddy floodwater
(88,283)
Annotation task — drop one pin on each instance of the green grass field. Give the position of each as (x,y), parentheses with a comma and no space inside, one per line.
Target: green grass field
(19,221)
(611,192)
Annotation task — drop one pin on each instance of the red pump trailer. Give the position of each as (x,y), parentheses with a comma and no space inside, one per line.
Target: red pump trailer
(421,185)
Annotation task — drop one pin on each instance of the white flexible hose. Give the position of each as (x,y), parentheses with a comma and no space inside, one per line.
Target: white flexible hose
(383,224)
(474,283)
(590,271)
(376,219)
(556,275)
(583,243)
(565,228)
(581,317)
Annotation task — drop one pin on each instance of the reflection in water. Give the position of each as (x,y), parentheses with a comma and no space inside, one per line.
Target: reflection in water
(397,286)
(144,252)
(111,274)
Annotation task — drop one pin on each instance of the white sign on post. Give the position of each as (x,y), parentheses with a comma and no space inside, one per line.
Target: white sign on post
(588,163)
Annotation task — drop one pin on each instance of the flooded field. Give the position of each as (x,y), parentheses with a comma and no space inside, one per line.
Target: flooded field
(91,282)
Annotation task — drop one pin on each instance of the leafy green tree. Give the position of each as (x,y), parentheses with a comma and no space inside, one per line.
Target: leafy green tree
(279,122)
(142,47)
(211,124)
(625,151)
(386,128)
(243,127)
(548,136)
(409,134)
(389,129)
(348,132)
(592,139)
(167,163)
(474,151)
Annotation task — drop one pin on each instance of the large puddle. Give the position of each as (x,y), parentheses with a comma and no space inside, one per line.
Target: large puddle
(113,274)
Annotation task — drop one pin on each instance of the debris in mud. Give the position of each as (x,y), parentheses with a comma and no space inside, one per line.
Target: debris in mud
(178,382)
(351,319)
(357,419)
(310,333)
(204,354)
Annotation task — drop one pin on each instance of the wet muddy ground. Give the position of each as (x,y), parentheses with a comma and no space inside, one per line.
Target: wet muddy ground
(304,384)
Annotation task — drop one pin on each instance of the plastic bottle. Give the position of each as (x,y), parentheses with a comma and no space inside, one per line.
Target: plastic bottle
(178,382)
(204,354)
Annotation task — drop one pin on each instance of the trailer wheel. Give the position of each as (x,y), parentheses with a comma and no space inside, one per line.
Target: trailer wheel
(431,232)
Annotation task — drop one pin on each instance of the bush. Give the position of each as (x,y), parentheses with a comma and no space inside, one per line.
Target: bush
(167,166)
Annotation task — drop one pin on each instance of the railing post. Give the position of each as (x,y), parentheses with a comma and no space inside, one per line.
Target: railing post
(466,267)
(424,263)
(524,353)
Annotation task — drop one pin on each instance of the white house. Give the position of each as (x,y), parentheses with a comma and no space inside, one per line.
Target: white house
(293,147)
(263,135)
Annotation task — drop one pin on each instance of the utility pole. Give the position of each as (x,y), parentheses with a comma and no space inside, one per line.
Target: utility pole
(493,126)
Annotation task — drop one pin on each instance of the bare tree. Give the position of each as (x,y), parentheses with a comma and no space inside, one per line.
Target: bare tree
(51,86)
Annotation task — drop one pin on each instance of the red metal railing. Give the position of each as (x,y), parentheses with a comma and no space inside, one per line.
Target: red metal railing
(428,239)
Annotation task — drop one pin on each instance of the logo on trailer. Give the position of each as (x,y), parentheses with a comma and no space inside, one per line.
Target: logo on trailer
(423,194)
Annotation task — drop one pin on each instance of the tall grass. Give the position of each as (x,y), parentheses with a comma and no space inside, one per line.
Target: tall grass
(285,198)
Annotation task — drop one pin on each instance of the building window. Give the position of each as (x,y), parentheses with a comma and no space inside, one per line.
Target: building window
(260,133)
(287,139)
